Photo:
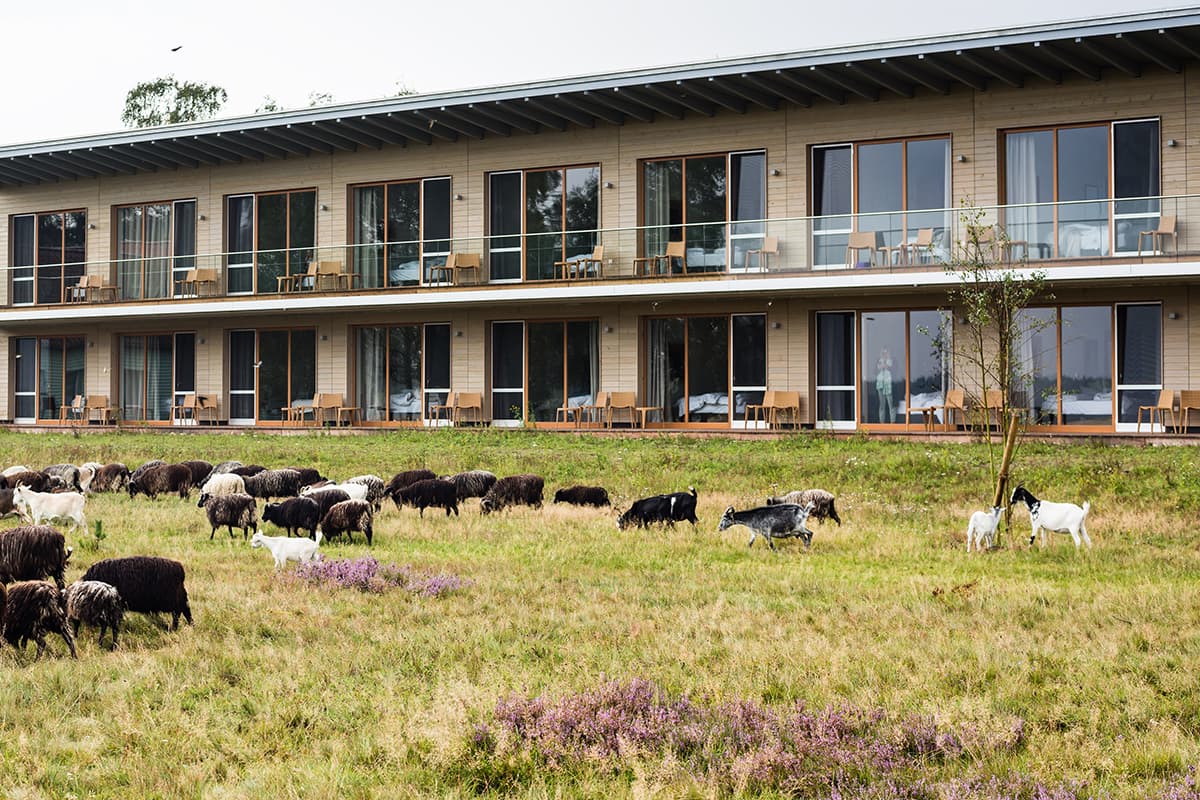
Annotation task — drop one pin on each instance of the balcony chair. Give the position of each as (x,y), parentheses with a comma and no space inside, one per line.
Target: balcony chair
(457,263)
(98,404)
(595,411)
(757,410)
(912,252)
(299,281)
(785,403)
(1158,236)
(579,266)
(468,404)
(299,408)
(859,241)
(1164,406)
(649,265)
(770,247)
(448,407)
(333,272)
(75,411)
(1189,400)
(956,400)
(621,402)
(333,406)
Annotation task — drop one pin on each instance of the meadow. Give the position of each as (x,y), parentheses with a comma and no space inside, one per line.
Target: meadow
(577,660)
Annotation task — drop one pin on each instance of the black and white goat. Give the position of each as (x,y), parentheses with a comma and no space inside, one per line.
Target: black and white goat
(779,521)
(1058,517)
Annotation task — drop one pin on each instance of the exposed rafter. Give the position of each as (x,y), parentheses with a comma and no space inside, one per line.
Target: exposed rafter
(1032,65)
(406,127)
(1151,53)
(428,122)
(1084,68)
(706,90)
(147,153)
(863,90)
(1107,55)
(552,121)
(229,142)
(187,151)
(214,145)
(812,85)
(359,132)
(876,75)
(487,124)
(614,99)
(672,110)
(129,158)
(273,145)
(582,102)
(746,87)
(111,164)
(572,115)
(1013,79)
(300,134)
(909,70)
(1180,42)
(500,113)
(690,102)
(963,76)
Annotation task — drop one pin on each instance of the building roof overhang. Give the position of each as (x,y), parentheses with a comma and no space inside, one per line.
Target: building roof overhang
(1127,45)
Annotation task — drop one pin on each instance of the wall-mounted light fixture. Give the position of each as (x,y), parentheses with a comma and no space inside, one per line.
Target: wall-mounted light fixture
(91,226)
(608,184)
(1171,142)
(608,328)
(202,218)
(91,343)
(324,337)
(458,197)
(776,325)
(1173,315)
(458,334)
(324,206)
(960,158)
(201,340)
(776,172)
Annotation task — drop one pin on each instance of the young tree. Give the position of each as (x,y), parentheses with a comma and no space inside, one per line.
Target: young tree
(166,101)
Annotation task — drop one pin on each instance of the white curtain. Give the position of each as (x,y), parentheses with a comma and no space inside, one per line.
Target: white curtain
(658,182)
(158,251)
(1021,186)
(368,216)
(129,252)
(658,374)
(133,377)
(372,374)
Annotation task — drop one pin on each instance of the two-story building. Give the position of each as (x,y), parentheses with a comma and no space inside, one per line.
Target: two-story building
(696,235)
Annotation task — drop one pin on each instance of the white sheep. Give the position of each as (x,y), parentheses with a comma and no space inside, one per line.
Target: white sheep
(285,548)
(46,506)
(356,491)
(1058,517)
(982,528)
(225,483)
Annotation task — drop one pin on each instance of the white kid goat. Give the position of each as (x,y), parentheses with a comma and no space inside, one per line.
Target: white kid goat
(39,507)
(285,548)
(982,528)
(1058,517)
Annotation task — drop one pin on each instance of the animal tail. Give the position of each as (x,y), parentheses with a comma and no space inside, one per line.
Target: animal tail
(1086,508)
(692,489)
(319,537)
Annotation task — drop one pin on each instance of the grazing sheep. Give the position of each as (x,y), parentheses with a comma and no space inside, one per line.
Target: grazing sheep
(308,475)
(473,483)
(432,492)
(982,527)
(34,609)
(356,491)
(221,469)
(13,470)
(295,514)
(38,481)
(32,553)
(666,508)
(272,483)
(772,522)
(87,474)
(111,478)
(232,511)
(39,507)
(327,498)
(199,470)
(140,471)
(247,471)
(513,490)
(823,503)
(583,496)
(374,485)
(6,503)
(148,584)
(68,472)
(403,479)
(96,603)
(284,549)
(162,479)
(1058,517)
(347,516)
(223,484)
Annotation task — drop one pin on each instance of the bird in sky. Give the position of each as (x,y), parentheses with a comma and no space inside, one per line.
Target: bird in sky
(176,48)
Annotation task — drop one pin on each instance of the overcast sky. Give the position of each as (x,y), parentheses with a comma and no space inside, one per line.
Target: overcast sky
(67,65)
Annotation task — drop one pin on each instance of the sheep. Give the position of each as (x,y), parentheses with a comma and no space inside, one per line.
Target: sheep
(140,471)
(13,470)
(513,490)
(347,516)
(148,584)
(982,527)
(284,549)
(32,610)
(68,472)
(583,496)
(161,479)
(473,483)
(355,491)
(374,485)
(272,483)
(38,507)
(1058,517)
(223,484)
(667,508)
(111,478)
(308,475)
(232,511)
(6,503)
(433,492)
(248,470)
(33,479)
(772,522)
(823,501)
(33,552)
(406,478)
(295,514)
(327,499)
(87,474)
(96,603)
(221,469)
(199,470)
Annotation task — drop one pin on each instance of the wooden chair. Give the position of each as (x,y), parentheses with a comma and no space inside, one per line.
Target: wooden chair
(1164,406)
(922,245)
(770,247)
(468,262)
(621,401)
(75,411)
(334,273)
(296,411)
(1158,236)
(194,279)
(299,281)
(859,241)
(206,404)
(1189,400)
(956,400)
(98,404)
(675,250)
(596,411)
(758,409)
(468,404)
(437,409)
(101,290)
(579,266)
(334,406)
(185,411)
(785,403)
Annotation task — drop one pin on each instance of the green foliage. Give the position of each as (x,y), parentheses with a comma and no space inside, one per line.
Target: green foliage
(167,101)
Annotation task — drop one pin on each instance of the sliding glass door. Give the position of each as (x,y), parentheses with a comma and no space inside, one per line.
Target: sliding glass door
(1064,375)
(905,363)
(268,236)
(564,366)
(401,230)
(48,373)
(48,256)
(836,384)
(508,372)
(268,371)
(401,371)
(156,372)
(156,244)
(537,218)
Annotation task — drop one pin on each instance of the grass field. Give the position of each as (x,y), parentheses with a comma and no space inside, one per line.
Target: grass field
(923,672)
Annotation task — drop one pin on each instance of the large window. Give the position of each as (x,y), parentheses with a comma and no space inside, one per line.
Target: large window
(269,370)
(156,245)
(401,230)
(1072,166)
(893,189)
(539,217)
(905,364)
(694,199)
(564,366)
(156,372)
(401,371)
(48,255)
(508,372)
(269,236)
(49,373)
(694,364)
(836,385)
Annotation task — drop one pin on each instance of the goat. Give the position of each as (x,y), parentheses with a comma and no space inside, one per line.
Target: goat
(34,609)
(38,507)
(284,548)
(778,521)
(96,603)
(982,528)
(668,508)
(147,584)
(1058,517)
(375,489)
(823,503)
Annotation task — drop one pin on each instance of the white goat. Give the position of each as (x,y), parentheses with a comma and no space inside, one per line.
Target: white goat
(38,507)
(356,491)
(982,528)
(1058,517)
(285,548)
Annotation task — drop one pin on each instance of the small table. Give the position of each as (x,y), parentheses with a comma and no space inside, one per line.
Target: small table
(642,411)
(350,412)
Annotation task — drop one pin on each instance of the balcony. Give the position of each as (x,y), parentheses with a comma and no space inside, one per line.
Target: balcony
(1081,234)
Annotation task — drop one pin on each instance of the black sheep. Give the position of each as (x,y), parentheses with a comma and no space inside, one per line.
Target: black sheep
(6,502)
(347,516)
(232,511)
(33,552)
(248,470)
(583,496)
(327,499)
(272,483)
(111,478)
(162,479)
(513,490)
(403,479)
(32,610)
(199,470)
(140,471)
(148,584)
(96,603)
(432,492)
(472,483)
(220,469)
(308,475)
(33,479)
(295,514)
